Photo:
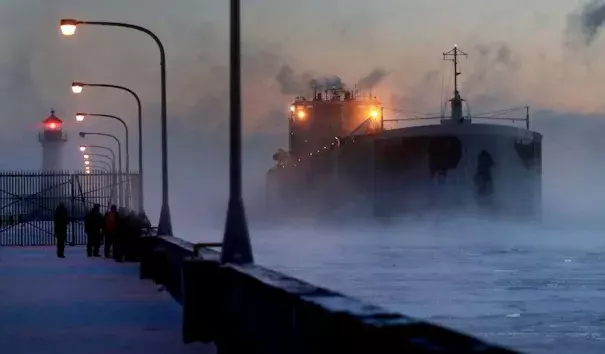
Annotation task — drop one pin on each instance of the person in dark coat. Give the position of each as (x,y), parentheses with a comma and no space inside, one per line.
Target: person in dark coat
(110,230)
(145,223)
(93,224)
(61,221)
(120,242)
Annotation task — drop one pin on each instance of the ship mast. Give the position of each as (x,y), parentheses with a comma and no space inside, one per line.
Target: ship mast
(456,101)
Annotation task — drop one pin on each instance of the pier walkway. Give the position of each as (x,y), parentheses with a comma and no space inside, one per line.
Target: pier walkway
(84,305)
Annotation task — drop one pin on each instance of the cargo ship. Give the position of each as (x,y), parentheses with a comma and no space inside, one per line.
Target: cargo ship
(342,161)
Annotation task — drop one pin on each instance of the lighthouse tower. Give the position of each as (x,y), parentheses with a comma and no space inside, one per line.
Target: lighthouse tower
(51,190)
(52,139)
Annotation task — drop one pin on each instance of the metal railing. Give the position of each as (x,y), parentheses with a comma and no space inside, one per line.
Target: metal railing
(252,309)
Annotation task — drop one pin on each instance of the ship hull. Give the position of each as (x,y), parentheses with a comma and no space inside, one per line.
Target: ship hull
(448,168)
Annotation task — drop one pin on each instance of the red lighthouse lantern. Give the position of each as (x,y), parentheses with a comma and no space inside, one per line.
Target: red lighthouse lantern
(52,139)
(52,122)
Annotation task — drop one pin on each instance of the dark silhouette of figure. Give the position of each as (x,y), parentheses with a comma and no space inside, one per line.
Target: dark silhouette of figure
(61,221)
(145,223)
(93,224)
(110,230)
(120,241)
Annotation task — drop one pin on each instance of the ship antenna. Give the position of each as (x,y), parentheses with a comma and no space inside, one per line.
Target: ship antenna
(453,56)
(456,101)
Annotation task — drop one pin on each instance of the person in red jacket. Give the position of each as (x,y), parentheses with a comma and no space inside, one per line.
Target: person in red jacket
(110,230)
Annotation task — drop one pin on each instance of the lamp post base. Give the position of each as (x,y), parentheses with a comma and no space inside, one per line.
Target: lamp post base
(236,240)
(165,224)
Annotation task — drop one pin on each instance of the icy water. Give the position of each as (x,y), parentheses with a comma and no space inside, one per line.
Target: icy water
(532,288)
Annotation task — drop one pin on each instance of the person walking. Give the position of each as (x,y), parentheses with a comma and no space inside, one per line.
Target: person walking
(93,224)
(61,221)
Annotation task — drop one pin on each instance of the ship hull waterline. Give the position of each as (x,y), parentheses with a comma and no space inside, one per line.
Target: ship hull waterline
(452,169)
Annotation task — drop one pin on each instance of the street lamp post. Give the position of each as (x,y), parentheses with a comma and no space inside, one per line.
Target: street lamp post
(104,169)
(80,117)
(103,163)
(95,168)
(111,170)
(88,156)
(68,28)
(86,150)
(236,239)
(83,135)
(77,87)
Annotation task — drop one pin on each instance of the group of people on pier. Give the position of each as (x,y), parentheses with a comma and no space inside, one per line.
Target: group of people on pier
(119,230)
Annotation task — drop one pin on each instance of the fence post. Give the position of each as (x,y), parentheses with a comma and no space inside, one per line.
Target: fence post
(73,209)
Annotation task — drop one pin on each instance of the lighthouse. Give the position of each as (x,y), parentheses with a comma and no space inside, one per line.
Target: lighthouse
(52,139)
(51,189)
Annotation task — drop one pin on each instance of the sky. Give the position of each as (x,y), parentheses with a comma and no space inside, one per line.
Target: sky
(541,53)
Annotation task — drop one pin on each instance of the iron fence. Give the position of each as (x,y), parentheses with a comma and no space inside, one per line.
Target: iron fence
(28,200)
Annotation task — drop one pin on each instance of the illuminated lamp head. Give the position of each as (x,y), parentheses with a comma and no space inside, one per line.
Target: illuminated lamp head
(77,87)
(301,114)
(68,26)
(82,148)
(292,108)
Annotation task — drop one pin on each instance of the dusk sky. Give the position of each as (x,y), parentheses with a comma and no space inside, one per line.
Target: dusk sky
(520,52)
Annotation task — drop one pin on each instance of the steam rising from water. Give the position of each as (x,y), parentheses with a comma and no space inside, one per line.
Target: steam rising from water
(536,287)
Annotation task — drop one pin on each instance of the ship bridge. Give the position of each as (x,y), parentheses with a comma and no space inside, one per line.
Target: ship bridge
(315,123)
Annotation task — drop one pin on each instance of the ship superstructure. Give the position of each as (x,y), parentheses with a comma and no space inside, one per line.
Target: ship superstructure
(322,121)
(342,161)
